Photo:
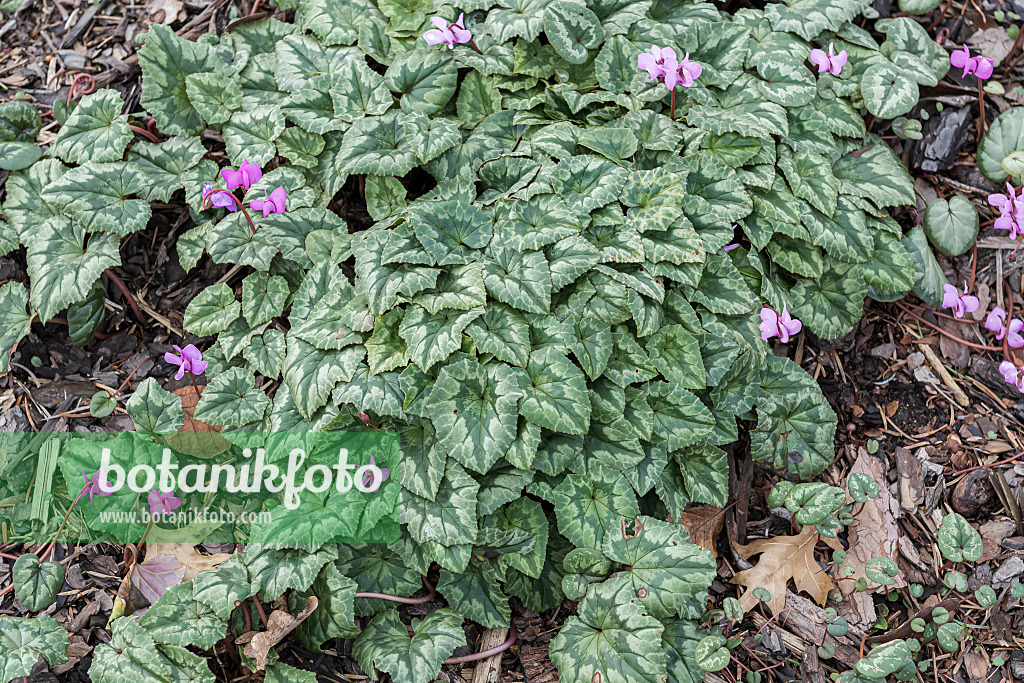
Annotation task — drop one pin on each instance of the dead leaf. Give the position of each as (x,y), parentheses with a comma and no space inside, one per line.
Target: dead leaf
(196,438)
(911,481)
(991,534)
(156,575)
(279,624)
(873,533)
(186,554)
(976,665)
(703,524)
(163,11)
(783,558)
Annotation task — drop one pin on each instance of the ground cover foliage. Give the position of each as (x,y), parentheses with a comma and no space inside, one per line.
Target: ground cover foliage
(554,329)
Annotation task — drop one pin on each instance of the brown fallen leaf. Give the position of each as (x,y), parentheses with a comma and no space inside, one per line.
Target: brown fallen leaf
(196,438)
(279,624)
(783,558)
(873,533)
(187,556)
(703,524)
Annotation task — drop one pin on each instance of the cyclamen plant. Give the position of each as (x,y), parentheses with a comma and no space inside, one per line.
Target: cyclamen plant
(540,301)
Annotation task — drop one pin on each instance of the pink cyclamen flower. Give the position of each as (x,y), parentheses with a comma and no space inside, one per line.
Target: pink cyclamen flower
(94,486)
(829,62)
(782,326)
(730,247)
(221,199)
(996,322)
(1012,374)
(447,34)
(1011,210)
(654,62)
(161,503)
(246,176)
(960,303)
(368,476)
(189,359)
(273,204)
(685,74)
(980,66)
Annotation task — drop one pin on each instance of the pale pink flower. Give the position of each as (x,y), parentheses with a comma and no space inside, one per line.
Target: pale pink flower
(829,62)
(447,34)
(782,326)
(960,303)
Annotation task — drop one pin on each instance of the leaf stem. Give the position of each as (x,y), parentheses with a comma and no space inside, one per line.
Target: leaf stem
(119,283)
(472,44)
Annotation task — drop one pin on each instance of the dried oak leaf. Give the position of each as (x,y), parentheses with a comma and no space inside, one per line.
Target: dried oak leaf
(187,556)
(783,558)
(279,624)
(196,438)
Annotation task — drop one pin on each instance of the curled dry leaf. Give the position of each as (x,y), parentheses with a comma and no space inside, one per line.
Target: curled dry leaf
(703,524)
(187,556)
(783,558)
(279,624)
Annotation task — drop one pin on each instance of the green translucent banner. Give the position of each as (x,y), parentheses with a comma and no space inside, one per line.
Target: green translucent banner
(286,489)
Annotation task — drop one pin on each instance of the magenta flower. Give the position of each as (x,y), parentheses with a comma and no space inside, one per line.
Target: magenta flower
(221,199)
(161,503)
(368,476)
(685,75)
(1011,210)
(657,61)
(246,175)
(960,303)
(93,486)
(980,66)
(448,34)
(782,326)
(661,62)
(730,247)
(1012,374)
(272,204)
(189,359)
(996,320)
(829,62)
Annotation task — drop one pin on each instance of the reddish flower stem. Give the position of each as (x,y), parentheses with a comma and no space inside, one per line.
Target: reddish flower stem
(981,106)
(144,133)
(194,385)
(943,332)
(238,204)
(472,44)
(90,85)
(487,653)
(431,592)
(672,109)
(119,283)
(259,609)
(944,315)
(248,621)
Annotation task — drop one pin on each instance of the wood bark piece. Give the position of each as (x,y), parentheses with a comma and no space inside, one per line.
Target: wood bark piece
(488,670)
(805,623)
